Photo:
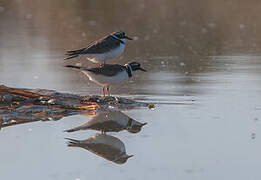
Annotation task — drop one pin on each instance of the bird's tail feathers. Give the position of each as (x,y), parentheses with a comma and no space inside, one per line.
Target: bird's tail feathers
(72,66)
(73,142)
(73,129)
(70,57)
(73,53)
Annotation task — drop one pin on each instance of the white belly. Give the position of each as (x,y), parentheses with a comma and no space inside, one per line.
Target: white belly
(115,53)
(107,80)
(98,58)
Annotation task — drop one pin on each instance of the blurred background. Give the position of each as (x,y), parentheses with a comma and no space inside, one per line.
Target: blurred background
(204,66)
(175,35)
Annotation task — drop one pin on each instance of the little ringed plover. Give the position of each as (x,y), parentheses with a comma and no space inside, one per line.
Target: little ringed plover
(110,74)
(102,50)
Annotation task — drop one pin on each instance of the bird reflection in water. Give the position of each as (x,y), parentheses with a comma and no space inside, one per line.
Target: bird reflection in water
(105,146)
(113,121)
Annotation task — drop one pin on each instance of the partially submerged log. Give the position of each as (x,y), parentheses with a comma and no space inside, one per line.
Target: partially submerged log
(19,106)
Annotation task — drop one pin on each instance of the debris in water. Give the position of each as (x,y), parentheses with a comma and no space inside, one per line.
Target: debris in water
(182,64)
(253,135)
(83,34)
(151,106)
(241,26)
(155,31)
(28,16)
(92,23)
(211,25)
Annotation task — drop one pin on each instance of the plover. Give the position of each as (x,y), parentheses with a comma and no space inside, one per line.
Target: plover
(102,50)
(105,146)
(110,74)
(112,121)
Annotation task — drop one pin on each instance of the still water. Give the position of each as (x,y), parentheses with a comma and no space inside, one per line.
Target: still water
(203,77)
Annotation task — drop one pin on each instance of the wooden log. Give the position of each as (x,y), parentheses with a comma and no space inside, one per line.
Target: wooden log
(18,106)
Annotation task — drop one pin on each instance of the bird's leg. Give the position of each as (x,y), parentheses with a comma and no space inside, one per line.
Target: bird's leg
(108,91)
(103,132)
(102,63)
(103,91)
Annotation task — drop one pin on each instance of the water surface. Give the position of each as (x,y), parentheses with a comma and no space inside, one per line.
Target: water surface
(203,77)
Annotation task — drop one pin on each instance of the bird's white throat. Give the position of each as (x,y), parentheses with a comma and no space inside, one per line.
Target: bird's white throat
(129,66)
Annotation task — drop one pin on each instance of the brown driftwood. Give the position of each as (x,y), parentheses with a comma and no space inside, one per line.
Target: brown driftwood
(19,106)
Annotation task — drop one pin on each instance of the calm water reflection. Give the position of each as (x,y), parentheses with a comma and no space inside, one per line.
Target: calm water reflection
(112,121)
(204,65)
(106,146)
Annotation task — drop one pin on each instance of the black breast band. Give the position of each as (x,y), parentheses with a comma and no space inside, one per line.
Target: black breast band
(128,70)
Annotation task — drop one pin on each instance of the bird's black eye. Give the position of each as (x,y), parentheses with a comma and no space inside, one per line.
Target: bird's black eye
(118,35)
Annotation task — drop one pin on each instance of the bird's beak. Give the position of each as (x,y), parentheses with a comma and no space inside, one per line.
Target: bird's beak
(129,156)
(128,38)
(144,124)
(143,69)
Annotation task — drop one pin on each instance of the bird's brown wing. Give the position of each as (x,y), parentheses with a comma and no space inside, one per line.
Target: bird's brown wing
(97,47)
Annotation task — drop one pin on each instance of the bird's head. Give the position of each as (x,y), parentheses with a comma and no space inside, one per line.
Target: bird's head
(135,128)
(122,159)
(121,35)
(135,66)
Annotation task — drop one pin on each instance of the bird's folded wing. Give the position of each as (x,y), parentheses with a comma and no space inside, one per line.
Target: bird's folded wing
(100,46)
(106,70)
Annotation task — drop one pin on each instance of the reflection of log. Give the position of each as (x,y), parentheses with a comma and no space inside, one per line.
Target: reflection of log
(19,106)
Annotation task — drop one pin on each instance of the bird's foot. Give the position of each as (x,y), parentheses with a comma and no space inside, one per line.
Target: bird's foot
(102,64)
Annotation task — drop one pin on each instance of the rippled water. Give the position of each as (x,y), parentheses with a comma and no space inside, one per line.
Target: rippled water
(203,77)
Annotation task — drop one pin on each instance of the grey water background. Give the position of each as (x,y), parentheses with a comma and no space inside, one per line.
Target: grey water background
(204,66)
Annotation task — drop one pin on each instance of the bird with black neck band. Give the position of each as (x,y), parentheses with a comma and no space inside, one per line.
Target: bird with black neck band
(110,74)
(110,121)
(102,50)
